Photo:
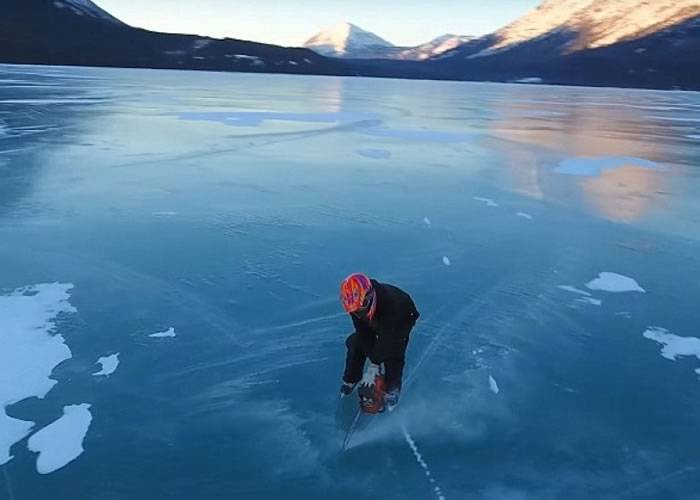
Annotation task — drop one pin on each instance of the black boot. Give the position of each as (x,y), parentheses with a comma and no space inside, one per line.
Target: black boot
(346,389)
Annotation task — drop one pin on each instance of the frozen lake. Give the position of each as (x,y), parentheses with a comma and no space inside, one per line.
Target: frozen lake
(171,245)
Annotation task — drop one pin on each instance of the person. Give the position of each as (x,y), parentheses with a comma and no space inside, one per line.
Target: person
(383,316)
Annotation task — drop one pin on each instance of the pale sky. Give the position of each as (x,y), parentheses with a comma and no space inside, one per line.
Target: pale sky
(292,22)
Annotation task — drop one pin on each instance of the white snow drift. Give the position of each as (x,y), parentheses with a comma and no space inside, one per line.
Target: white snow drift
(673,345)
(614,283)
(29,352)
(61,442)
(170,332)
(109,365)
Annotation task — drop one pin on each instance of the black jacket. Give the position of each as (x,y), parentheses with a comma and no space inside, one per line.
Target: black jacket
(386,335)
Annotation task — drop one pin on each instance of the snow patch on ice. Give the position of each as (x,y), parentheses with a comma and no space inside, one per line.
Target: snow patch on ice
(109,365)
(375,154)
(574,290)
(446,261)
(29,351)
(589,300)
(170,332)
(524,215)
(673,345)
(493,385)
(593,167)
(615,283)
(61,442)
(489,202)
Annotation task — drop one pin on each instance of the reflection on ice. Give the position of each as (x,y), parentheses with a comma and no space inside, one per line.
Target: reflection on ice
(592,167)
(257,118)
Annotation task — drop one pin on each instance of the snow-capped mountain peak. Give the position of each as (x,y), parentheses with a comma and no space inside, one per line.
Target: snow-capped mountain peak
(86,8)
(595,23)
(344,39)
(435,47)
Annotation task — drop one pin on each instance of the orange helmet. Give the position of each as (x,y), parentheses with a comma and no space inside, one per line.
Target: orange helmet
(357,294)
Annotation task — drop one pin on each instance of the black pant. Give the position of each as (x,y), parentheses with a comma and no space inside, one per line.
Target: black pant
(355,363)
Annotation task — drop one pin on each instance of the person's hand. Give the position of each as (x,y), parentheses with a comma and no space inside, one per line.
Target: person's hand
(370,375)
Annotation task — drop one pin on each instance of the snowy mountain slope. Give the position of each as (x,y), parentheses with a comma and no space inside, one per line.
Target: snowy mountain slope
(434,48)
(86,7)
(348,40)
(668,58)
(593,23)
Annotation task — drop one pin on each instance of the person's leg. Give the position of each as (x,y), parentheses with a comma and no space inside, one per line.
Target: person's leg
(354,360)
(393,368)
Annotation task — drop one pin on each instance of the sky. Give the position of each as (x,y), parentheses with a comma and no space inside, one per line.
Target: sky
(292,22)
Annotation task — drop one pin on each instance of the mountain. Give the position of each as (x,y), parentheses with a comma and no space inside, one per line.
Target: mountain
(433,48)
(349,41)
(597,23)
(624,43)
(86,8)
(588,42)
(569,26)
(78,32)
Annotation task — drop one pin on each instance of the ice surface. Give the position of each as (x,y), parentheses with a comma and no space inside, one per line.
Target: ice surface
(691,119)
(673,345)
(592,167)
(61,442)
(258,118)
(493,385)
(239,230)
(170,332)
(30,351)
(615,283)
(375,154)
(109,364)
(437,136)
